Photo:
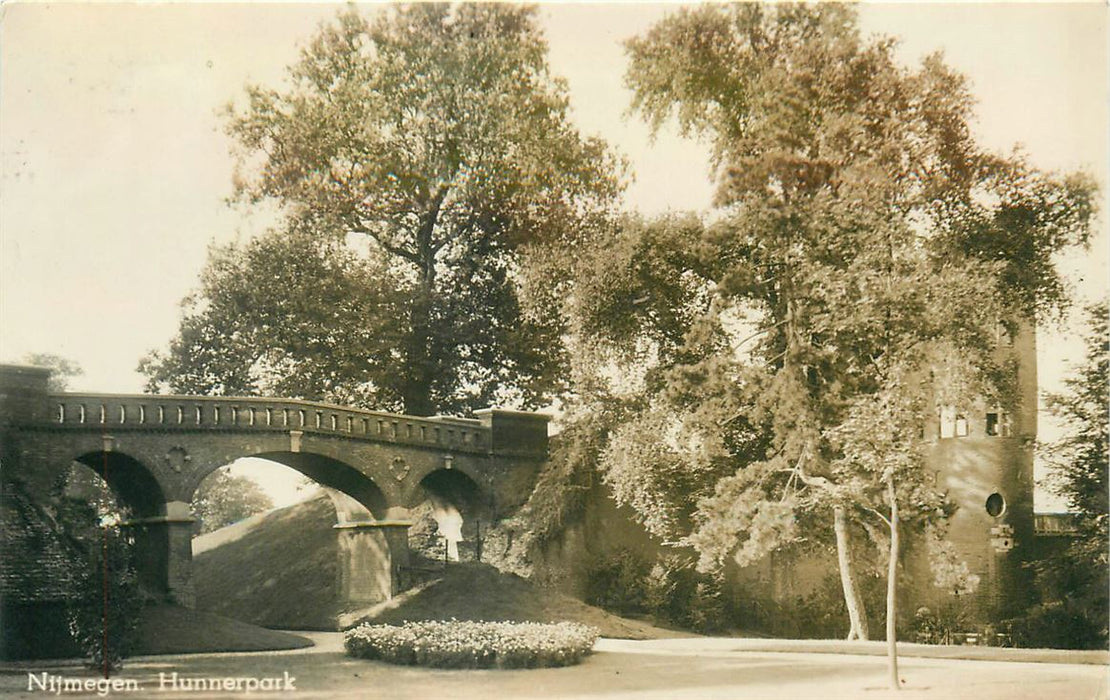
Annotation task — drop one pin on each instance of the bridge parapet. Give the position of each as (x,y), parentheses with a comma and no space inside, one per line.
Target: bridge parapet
(72,411)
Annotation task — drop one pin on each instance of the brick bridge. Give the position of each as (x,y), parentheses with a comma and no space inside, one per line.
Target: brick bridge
(154,451)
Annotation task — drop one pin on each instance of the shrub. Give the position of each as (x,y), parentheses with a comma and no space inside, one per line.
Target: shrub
(820,613)
(679,594)
(103,574)
(670,589)
(456,644)
(106,635)
(619,583)
(1055,626)
(710,611)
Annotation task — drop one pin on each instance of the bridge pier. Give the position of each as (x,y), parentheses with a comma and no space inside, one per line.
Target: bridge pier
(164,553)
(371,558)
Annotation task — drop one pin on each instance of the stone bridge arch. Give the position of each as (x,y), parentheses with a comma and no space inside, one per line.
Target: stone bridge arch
(134,485)
(338,477)
(140,494)
(459,504)
(164,446)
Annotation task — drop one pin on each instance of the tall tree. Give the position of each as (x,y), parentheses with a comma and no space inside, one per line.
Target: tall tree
(861,230)
(1080,458)
(1081,474)
(437,135)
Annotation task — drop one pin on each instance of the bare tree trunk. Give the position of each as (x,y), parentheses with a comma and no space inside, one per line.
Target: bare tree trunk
(892,589)
(857,615)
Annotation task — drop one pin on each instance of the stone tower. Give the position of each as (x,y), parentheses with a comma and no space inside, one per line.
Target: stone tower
(983,456)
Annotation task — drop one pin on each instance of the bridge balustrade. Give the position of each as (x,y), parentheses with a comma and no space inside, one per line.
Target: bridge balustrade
(167,412)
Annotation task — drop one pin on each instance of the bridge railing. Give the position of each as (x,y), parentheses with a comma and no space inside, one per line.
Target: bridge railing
(192,413)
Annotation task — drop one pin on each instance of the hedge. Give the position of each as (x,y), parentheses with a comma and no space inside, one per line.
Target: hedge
(460,644)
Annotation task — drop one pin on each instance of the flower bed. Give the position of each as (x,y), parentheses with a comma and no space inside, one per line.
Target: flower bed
(458,644)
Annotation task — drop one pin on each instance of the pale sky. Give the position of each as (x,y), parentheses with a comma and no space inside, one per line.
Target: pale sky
(115,167)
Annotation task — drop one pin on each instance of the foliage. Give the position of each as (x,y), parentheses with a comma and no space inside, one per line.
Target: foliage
(668,588)
(940,627)
(62,369)
(223,499)
(864,251)
(618,582)
(1080,459)
(950,573)
(649,388)
(103,611)
(806,119)
(683,596)
(316,329)
(434,138)
(1055,625)
(456,644)
(563,486)
(654,465)
(1075,580)
(84,485)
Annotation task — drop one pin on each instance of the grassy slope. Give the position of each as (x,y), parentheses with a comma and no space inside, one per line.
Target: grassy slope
(282,573)
(169,629)
(480,592)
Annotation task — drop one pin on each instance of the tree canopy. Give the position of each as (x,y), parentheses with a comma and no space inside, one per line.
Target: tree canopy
(437,138)
(863,251)
(1080,463)
(1080,459)
(323,325)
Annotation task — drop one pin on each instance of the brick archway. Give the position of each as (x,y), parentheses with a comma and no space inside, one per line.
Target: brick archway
(379,460)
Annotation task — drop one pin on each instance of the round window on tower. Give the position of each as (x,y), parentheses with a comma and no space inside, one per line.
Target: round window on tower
(995,505)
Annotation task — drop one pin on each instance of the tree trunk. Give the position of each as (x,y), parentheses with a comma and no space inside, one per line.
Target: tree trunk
(423,356)
(892,590)
(416,390)
(857,614)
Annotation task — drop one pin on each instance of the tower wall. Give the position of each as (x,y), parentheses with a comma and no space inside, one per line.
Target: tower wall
(986,466)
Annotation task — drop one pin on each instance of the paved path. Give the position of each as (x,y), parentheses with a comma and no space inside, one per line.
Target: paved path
(653,670)
(839,646)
